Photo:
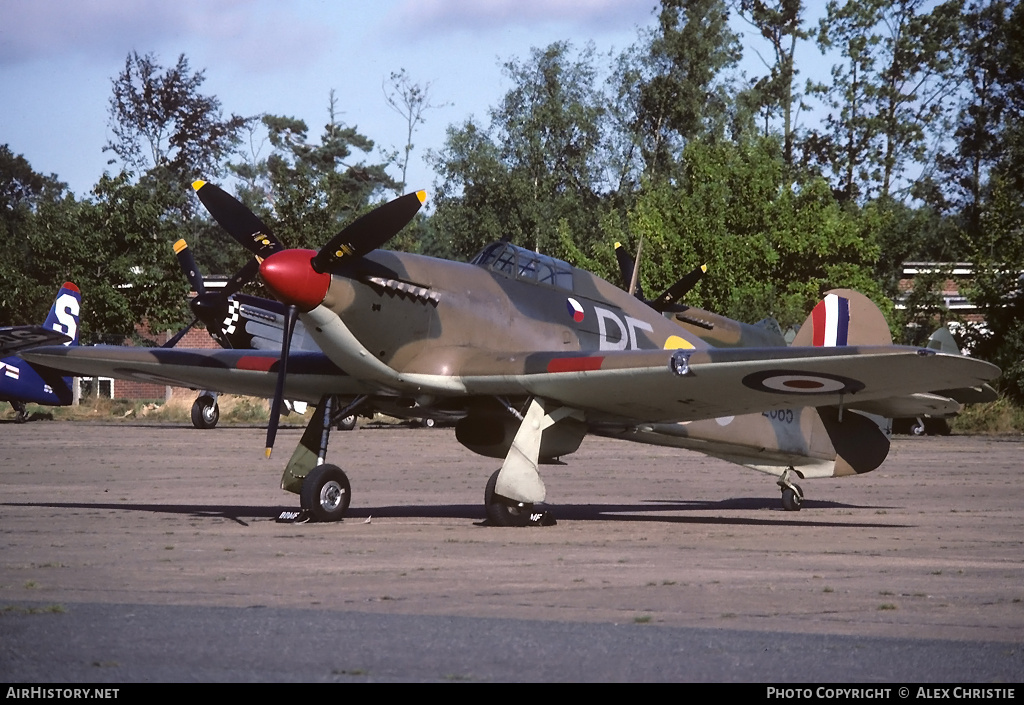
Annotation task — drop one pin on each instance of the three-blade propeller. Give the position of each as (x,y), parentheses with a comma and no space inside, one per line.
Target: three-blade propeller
(355,241)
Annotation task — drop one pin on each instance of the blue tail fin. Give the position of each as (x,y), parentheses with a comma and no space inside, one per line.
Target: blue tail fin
(64,314)
(21,382)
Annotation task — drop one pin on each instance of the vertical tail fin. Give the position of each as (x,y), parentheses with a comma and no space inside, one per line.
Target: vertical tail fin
(64,317)
(844,317)
(64,314)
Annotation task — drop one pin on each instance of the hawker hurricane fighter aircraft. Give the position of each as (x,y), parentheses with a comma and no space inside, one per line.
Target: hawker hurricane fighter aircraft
(22,382)
(534,354)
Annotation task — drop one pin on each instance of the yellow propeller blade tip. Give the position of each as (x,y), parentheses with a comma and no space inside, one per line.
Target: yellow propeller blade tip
(422,195)
(180,245)
(618,245)
(268,452)
(704,268)
(197,184)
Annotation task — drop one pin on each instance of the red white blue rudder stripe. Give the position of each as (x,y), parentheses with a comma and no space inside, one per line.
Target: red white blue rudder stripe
(831,319)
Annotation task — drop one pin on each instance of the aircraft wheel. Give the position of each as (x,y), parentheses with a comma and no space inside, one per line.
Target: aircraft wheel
(326,493)
(792,498)
(427,422)
(918,428)
(205,412)
(347,423)
(502,511)
(20,412)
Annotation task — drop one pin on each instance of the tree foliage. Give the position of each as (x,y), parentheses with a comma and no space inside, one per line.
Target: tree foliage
(160,120)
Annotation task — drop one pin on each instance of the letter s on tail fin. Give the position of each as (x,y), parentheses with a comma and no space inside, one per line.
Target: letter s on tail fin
(844,317)
(64,314)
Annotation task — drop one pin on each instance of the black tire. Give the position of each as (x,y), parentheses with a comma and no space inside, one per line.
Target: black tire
(502,511)
(347,424)
(205,412)
(427,422)
(326,493)
(792,500)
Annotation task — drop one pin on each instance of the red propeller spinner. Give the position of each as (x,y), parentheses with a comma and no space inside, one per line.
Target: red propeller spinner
(289,274)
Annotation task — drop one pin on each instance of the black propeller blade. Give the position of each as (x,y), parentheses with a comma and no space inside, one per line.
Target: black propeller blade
(180,334)
(290,316)
(679,289)
(188,265)
(240,222)
(242,277)
(627,268)
(370,231)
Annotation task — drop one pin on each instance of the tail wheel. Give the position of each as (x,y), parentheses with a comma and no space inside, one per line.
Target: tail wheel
(326,493)
(502,511)
(792,498)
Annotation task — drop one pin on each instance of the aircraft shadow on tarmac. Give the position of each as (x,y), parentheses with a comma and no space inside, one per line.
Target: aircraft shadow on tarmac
(648,511)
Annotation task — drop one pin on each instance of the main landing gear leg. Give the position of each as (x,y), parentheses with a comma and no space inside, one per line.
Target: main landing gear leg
(20,412)
(324,490)
(512,493)
(792,495)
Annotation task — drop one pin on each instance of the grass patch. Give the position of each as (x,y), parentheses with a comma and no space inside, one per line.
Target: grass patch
(999,417)
(44,609)
(234,409)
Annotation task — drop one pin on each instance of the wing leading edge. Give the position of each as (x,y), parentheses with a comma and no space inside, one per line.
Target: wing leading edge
(252,372)
(683,385)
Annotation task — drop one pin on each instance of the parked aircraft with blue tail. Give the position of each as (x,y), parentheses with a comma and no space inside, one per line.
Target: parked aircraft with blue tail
(22,382)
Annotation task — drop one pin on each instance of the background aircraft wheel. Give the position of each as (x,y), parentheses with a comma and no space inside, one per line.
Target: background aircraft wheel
(205,412)
(326,493)
(792,500)
(427,422)
(347,423)
(918,428)
(20,412)
(502,511)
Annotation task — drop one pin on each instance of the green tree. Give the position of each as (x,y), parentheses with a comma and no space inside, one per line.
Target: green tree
(998,240)
(410,100)
(771,247)
(892,86)
(316,189)
(781,24)
(159,120)
(25,196)
(675,87)
(538,165)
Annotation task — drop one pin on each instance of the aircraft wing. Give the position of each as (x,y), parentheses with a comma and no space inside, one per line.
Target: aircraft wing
(668,385)
(310,375)
(15,338)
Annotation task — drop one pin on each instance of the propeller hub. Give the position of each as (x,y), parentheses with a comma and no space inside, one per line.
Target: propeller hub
(290,276)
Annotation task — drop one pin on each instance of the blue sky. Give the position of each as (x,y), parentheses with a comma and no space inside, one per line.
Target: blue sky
(58,58)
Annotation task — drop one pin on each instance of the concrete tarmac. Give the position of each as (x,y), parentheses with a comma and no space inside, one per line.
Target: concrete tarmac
(140,552)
